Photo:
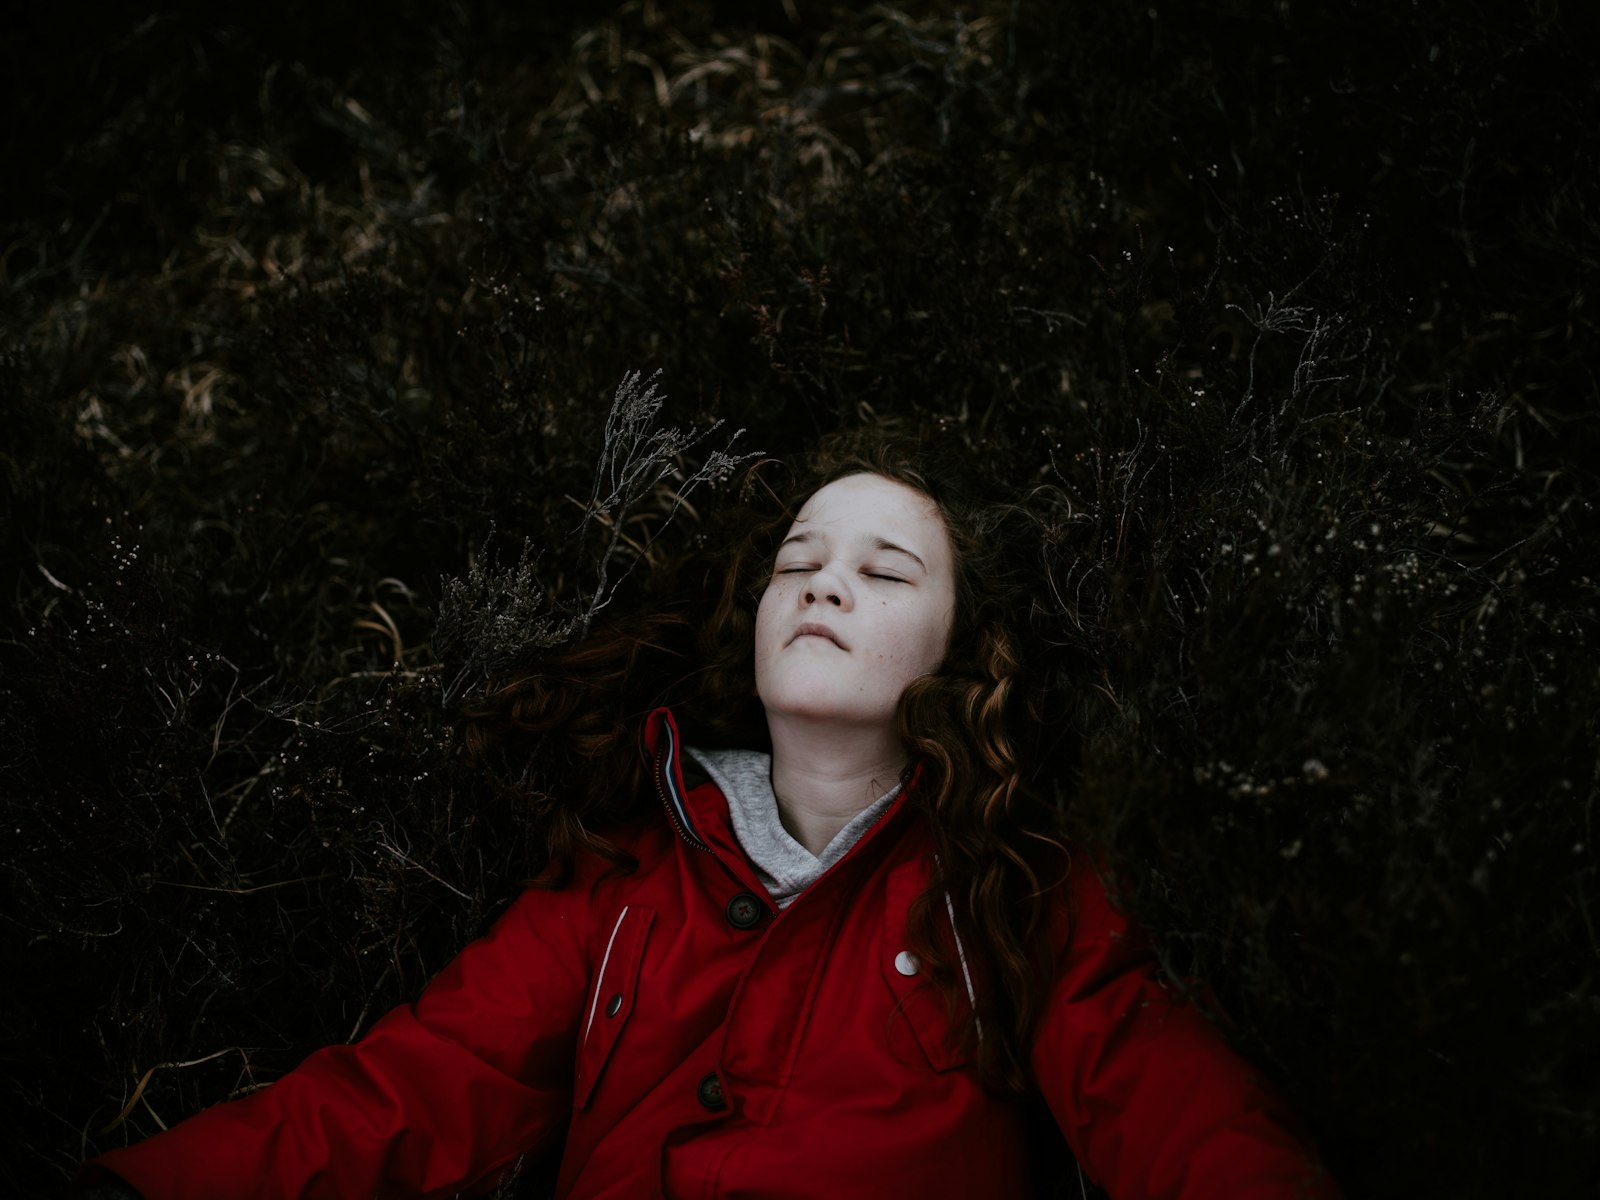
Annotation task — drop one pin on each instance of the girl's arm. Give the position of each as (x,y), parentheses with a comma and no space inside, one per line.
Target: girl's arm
(440,1096)
(1149,1096)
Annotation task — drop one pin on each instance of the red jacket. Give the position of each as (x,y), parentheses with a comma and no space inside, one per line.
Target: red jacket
(670,1032)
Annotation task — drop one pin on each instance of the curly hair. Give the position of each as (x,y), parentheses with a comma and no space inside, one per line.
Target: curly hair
(972,726)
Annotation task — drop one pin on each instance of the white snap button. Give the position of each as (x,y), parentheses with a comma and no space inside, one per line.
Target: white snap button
(906,963)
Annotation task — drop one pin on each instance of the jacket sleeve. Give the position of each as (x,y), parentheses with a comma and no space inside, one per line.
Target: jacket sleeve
(1150,1098)
(439,1096)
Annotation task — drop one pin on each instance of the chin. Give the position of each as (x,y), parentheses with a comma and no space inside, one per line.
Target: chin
(792,703)
(811,706)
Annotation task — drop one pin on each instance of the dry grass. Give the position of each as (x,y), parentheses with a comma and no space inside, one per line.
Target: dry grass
(1291,309)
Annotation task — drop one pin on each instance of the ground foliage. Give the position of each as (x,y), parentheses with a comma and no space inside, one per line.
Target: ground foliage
(311,334)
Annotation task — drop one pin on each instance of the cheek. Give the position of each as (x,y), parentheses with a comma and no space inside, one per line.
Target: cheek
(933,640)
(916,644)
(766,619)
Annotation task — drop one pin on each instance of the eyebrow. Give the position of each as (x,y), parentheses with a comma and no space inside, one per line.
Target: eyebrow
(878,543)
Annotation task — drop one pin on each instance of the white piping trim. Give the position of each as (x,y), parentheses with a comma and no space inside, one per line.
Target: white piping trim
(966,973)
(595,1003)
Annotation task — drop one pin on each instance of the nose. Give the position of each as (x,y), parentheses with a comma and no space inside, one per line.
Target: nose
(826,587)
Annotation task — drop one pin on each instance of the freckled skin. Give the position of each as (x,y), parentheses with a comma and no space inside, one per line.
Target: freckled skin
(892,613)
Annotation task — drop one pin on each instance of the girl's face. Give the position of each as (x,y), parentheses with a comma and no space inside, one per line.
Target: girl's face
(861,602)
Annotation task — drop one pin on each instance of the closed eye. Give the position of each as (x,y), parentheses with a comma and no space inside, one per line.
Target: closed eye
(806,570)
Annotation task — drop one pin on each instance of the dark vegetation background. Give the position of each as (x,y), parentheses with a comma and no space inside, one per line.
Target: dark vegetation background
(309,320)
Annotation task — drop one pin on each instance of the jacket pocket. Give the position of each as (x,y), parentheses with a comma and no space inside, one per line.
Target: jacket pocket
(611,1002)
(920,1009)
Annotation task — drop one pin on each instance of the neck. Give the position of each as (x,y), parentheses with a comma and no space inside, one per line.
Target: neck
(825,774)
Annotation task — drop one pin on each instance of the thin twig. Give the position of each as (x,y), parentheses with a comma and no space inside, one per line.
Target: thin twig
(403,857)
(265,887)
(144,1081)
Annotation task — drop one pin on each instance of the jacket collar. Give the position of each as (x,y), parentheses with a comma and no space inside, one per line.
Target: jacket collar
(699,824)
(665,745)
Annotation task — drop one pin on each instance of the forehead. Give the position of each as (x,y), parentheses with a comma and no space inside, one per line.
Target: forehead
(872,504)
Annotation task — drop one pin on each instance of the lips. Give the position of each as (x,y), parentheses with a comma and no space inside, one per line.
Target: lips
(814,630)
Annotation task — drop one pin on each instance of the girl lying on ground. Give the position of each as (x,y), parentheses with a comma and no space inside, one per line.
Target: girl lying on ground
(807,932)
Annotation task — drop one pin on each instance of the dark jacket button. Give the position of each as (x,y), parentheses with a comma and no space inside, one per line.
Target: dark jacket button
(710,1091)
(744,911)
(613,1005)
